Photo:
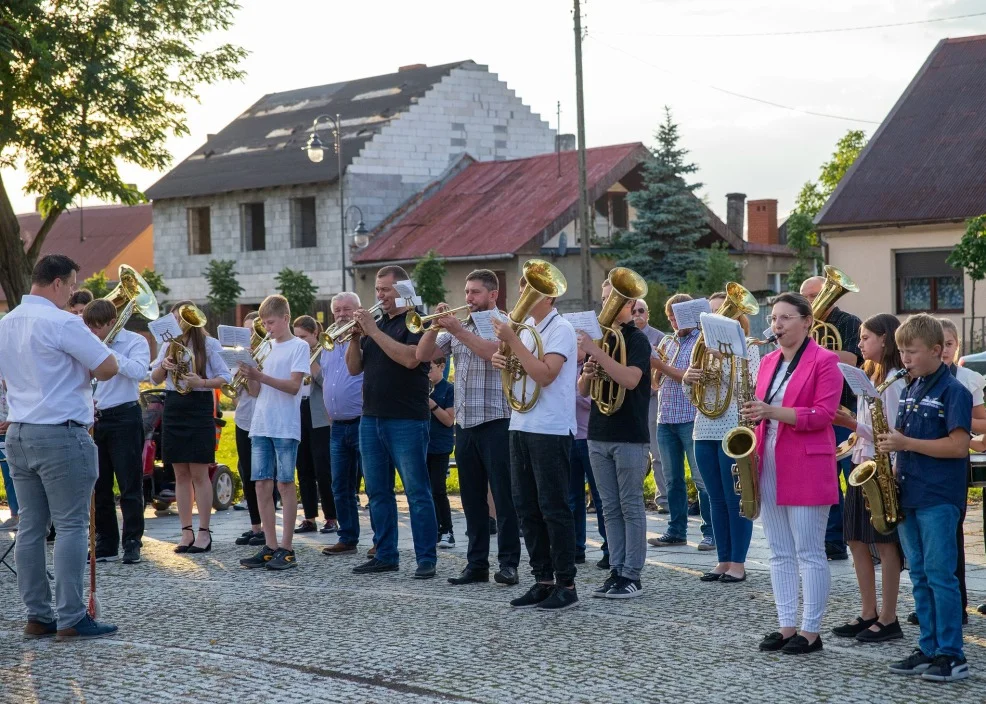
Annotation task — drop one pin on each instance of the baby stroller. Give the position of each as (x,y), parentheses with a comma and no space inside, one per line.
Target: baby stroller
(159,478)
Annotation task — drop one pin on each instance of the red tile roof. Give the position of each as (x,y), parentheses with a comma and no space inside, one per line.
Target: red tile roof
(107,230)
(926,161)
(497,207)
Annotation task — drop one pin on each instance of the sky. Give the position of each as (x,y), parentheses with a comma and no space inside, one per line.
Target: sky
(639,56)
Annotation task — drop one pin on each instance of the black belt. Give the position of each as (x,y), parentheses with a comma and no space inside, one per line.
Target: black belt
(113,410)
(349,421)
(73,424)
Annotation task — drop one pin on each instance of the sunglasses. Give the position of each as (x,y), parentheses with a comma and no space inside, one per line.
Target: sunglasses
(639,311)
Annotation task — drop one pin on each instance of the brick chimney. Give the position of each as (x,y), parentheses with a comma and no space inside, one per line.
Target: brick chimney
(411,67)
(734,213)
(761,218)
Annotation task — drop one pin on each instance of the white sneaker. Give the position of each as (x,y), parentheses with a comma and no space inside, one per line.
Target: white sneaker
(11,523)
(708,543)
(446,541)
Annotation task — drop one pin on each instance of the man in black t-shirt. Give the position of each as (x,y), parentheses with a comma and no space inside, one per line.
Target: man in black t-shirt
(618,451)
(394,428)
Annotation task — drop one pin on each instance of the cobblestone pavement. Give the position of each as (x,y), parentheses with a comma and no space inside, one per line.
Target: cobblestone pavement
(200,628)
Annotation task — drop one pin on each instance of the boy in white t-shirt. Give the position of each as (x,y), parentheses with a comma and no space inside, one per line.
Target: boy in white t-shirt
(540,441)
(275,431)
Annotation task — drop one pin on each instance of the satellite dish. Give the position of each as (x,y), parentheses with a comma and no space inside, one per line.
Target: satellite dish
(562,244)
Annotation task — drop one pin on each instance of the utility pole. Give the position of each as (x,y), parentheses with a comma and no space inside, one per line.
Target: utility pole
(584,223)
(558,138)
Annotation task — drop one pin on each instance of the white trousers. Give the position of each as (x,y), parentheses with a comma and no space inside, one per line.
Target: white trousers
(796,537)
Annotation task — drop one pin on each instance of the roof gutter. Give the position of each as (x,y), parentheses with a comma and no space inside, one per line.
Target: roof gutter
(463,258)
(832,229)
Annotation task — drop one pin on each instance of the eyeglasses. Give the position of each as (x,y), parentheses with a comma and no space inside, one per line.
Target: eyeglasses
(639,311)
(774,319)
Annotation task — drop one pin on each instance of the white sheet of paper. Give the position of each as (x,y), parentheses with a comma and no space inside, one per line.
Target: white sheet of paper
(233,357)
(164,328)
(723,334)
(405,289)
(483,320)
(857,380)
(687,313)
(586,321)
(232,336)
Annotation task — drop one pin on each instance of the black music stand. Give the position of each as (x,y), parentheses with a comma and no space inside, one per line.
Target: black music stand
(3,558)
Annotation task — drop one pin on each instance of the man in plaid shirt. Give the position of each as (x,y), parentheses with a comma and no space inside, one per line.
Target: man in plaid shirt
(675,418)
(482,419)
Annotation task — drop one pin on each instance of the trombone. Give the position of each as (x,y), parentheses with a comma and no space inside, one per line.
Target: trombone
(189,316)
(259,349)
(625,284)
(417,323)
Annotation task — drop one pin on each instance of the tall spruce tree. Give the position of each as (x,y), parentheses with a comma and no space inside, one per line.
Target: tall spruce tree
(662,246)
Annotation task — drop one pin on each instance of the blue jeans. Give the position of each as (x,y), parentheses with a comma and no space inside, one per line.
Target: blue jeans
(675,442)
(732,531)
(8,483)
(833,530)
(383,444)
(344,450)
(273,458)
(580,472)
(928,538)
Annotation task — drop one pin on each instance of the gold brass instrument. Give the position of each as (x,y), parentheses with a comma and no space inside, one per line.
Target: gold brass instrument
(544,280)
(738,301)
(344,332)
(626,285)
(417,323)
(740,444)
(875,477)
(131,295)
(845,448)
(837,284)
(259,349)
(189,316)
(662,354)
(324,343)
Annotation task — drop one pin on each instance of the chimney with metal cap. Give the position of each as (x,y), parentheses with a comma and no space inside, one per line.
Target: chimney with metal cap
(735,212)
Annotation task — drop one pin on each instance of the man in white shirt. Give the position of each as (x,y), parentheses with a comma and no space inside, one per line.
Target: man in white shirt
(47,358)
(540,441)
(119,437)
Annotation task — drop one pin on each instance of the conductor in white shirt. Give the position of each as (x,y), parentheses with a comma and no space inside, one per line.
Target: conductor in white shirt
(119,437)
(48,357)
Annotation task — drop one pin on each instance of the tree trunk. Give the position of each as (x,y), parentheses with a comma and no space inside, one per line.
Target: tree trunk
(16,265)
(971,342)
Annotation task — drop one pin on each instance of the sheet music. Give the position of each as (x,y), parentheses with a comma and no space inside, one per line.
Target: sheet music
(232,336)
(586,321)
(483,320)
(687,313)
(233,357)
(857,380)
(164,328)
(723,334)
(405,289)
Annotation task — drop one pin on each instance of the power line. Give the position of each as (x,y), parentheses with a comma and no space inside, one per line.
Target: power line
(733,93)
(798,31)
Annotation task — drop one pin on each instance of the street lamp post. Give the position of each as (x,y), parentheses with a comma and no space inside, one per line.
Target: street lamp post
(316,149)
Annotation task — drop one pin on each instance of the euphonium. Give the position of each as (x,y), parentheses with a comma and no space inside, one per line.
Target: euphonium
(662,354)
(189,316)
(131,295)
(738,301)
(544,280)
(626,284)
(875,477)
(259,349)
(837,284)
(415,322)
(740,444)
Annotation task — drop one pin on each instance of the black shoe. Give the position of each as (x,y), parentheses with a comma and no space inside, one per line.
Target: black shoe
(982,609)
(799,645)
(258,539)
(946,668)
(912,618)
(250,535)
(625,589)
(914,664)
(774,641)
(282,560)
(373,566)
(851,630)
(196,550)
(834,551)
(492,526)
(470,576)
(580,558)
(306,526)
(426,570)
(260,559)
(507,575)
(727,578)
(559,600)
(131,554)
(534,596)
(180,549)
(610,582)
(104,556)
(666,540)
(711,577)
(884,632)
(603,564)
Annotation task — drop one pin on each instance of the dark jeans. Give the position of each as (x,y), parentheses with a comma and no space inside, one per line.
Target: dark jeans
(483,460)
(345,479)
(582,471)
(314,467)
(243,466)
(119,438)
(960,559)
(438,472)
(732,531)
(833,531)
(540,473)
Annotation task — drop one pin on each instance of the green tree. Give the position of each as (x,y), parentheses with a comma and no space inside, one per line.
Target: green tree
(662,246)
(970,254)
(429,279)
(85,86)
(97,284)
(717,270)
(299,289)
(657,296)
(224,289)
(155,281)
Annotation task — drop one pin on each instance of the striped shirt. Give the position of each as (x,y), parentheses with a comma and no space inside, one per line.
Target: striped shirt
(673,406)
(479,396)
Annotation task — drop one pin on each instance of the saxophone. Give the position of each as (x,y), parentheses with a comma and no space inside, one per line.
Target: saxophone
(875,477)
(740,444)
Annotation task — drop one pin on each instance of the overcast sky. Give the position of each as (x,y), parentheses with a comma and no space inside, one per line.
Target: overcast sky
(632,69)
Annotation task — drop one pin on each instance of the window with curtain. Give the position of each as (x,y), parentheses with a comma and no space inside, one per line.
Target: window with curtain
(927,284)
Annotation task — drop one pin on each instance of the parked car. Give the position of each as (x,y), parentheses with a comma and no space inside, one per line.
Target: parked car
(976,362)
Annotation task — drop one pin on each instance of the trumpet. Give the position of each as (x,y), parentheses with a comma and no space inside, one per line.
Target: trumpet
(345,332)
(324,343)
(417,323)
(625,284)
(259,349)
(837,284)
(189,316)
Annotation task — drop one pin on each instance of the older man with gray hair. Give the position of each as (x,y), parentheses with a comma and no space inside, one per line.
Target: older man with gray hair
(654,336)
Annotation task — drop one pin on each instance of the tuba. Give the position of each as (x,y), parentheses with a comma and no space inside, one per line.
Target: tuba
(544,280)
(626,285)
(259,349)
(740,444)
(837,284)
(876,477)
(131,295)
(738,302)
(189,316)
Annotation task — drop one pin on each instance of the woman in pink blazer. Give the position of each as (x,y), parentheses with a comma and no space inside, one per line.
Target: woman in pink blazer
(800,385)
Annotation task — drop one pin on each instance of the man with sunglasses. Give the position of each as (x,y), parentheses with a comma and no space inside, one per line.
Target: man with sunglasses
(654,337)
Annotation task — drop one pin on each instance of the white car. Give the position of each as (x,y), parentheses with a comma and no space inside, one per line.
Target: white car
(976,362)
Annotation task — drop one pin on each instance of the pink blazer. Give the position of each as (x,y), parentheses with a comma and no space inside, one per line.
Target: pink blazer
(805,453)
